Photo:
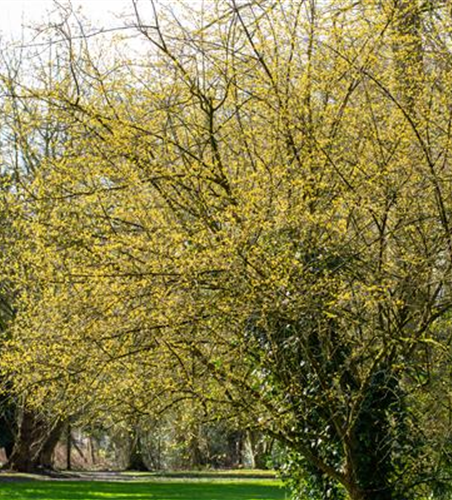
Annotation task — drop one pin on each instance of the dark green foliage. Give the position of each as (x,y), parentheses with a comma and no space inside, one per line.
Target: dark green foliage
(380,428)
(306,482)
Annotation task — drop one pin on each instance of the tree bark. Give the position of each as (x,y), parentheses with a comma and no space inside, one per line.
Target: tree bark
(45,457)
(9,449)
(136,461)
(24,449)
(68,446)
(34,444)
(356,493)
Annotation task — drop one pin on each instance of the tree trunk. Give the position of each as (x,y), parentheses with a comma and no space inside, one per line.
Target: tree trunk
(92,451)
(45,457)
(259,448)
(34,444)
(250,443)
(9,449)
(68,446)
(357,493)
(25,444)
(136,461)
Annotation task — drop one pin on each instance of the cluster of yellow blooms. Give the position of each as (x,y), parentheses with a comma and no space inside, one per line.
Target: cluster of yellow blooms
(258,213)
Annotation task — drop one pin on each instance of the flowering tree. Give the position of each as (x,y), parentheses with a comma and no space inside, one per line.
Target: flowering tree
(255,217)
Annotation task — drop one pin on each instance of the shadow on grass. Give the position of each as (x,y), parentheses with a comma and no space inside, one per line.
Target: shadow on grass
(96,490)
(207,474)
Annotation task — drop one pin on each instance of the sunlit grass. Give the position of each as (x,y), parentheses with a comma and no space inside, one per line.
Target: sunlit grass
(258,489)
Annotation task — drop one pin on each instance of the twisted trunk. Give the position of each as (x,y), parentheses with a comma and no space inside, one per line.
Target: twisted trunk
(34,444)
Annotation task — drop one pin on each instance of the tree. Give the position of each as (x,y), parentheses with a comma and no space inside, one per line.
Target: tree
(29,435)
(256,218)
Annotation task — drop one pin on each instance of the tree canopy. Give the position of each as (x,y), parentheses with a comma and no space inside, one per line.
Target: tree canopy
(254,215)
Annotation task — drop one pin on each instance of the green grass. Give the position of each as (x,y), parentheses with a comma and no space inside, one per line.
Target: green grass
(162,489)
(213,473)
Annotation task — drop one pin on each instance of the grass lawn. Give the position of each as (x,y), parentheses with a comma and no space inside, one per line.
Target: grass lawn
(150,489)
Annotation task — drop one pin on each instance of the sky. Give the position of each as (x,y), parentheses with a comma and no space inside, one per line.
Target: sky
(16,13)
